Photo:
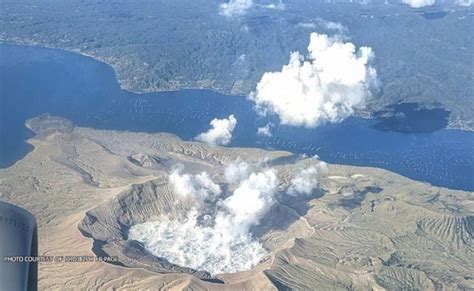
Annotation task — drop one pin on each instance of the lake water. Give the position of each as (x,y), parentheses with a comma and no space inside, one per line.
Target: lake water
(37,80)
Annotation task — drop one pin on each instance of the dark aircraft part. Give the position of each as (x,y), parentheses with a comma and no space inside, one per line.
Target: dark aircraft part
(18,249)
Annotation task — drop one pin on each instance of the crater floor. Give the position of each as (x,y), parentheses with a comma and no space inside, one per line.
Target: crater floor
(366,229)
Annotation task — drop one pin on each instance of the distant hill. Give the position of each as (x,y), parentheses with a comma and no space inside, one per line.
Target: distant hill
(422,55)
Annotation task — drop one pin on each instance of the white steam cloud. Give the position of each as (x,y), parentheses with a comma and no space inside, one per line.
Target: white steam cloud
(191,244)
(198,186)
(235,7)
(418,3)
(215,235)
(221,243)
(306,181)
(188,243)
(265,130)
(221,131)
(248,203)
(465,3)
(325,86)
(236,172)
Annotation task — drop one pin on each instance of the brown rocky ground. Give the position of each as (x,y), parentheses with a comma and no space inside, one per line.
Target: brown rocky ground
(368,228)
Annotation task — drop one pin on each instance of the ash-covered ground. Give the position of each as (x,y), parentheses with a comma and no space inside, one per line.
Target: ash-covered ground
(306,226)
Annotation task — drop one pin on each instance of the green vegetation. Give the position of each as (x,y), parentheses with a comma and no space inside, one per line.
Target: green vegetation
(168,45)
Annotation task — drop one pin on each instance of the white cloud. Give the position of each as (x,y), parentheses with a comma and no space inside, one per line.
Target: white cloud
(265,130)
(278,6)
(326,86)
(325,24)
(465,3)
(235,7)
(418,3)
(331,25)
(221,131)
(306,25)
(221,243)
(236,172)
(306,180)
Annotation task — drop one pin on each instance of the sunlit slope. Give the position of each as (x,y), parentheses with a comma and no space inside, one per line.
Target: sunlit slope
(366,229)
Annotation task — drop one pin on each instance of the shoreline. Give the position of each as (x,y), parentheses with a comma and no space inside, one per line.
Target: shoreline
(59,120)
(328,221)
(452,124)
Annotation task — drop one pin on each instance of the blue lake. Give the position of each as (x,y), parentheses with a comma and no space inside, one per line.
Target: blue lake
(37,80)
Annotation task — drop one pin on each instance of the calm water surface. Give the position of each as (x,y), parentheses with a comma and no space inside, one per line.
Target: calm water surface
(37,80)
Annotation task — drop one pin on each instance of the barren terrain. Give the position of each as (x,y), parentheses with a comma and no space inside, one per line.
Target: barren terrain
(366,229)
